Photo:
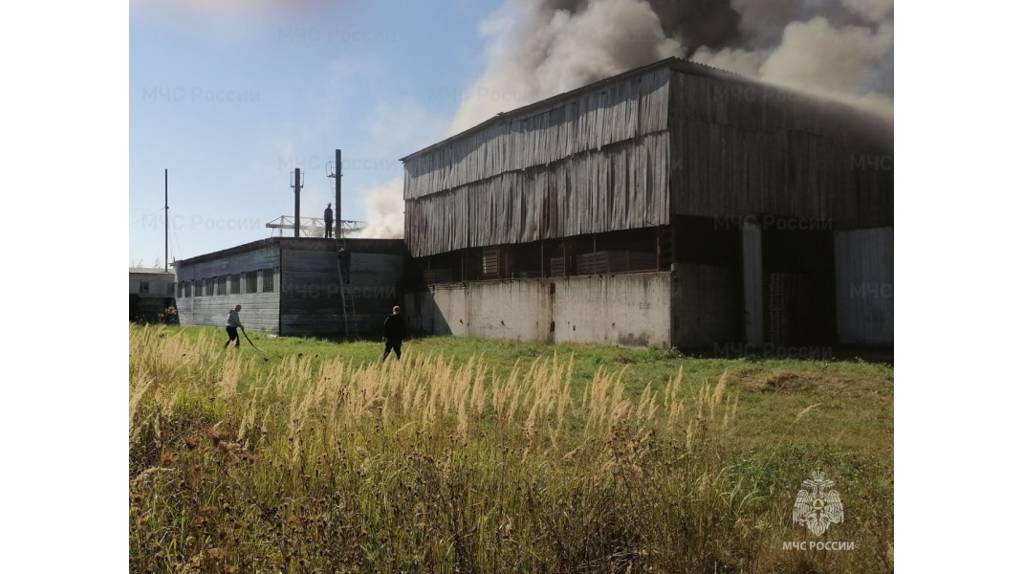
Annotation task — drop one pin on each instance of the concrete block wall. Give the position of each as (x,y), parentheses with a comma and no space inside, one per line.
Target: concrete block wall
(625,309)
(511,310)
(259,310)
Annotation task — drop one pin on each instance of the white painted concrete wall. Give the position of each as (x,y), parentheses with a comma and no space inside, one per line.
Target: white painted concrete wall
(627,309)
(624,309)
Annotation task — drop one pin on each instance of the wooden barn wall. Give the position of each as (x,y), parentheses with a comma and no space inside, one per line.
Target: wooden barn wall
(740,148)
(259,309)
(597,162)
(311,297)
(624,186)
(864,286)
(608,114)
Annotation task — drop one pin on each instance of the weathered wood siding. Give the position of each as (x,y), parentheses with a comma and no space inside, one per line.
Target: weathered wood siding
(594,162)
(743,148)
(751,244)
(864,286)
(311,291)
(625,153)
(259,309)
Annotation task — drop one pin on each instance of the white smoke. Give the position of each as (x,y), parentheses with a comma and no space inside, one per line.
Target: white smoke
(395,127)
(384,211)
(818,58)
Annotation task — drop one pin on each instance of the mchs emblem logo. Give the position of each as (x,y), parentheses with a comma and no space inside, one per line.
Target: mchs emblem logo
(817,505)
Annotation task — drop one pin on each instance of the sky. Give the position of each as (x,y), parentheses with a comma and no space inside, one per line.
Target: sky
(230,99)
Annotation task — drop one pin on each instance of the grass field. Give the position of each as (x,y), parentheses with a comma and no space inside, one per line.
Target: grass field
(485,456)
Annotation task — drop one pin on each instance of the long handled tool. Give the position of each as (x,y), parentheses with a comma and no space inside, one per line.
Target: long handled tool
(251,343)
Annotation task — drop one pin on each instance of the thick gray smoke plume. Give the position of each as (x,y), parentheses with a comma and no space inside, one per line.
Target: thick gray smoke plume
(841,50)
(834,48)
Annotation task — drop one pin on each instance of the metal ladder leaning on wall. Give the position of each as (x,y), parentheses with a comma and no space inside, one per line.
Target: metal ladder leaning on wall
(348,309)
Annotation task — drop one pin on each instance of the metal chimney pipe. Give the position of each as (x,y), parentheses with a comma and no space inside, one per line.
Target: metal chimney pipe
(297,185)
(165,219)
(337,193)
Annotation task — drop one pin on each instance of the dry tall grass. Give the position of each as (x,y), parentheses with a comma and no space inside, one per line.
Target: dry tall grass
(422,465)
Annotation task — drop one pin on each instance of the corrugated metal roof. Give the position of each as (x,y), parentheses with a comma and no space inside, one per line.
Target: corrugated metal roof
(675,63)
(222,252)
(356,244)
(149,271)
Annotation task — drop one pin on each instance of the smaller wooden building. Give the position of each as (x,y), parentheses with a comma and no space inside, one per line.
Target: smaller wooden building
(292,286)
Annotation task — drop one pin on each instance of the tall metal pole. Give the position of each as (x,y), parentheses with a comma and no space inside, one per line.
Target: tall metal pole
(337,193)
(165,219)
(297,185)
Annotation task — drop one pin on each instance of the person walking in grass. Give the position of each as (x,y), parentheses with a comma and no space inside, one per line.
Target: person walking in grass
(232,327)
(394,333)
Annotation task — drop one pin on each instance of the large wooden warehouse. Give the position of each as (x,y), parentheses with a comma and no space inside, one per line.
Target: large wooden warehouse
(674,204)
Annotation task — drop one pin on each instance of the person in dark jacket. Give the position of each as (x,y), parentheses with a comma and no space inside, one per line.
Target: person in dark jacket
(328,222)
(394,333)
(345,264)
(232,326)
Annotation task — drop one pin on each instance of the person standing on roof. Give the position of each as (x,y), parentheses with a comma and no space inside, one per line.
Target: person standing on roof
(232,326)
(394,333)
(328,222)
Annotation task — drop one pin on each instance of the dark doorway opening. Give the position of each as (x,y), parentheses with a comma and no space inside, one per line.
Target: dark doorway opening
(799,284)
